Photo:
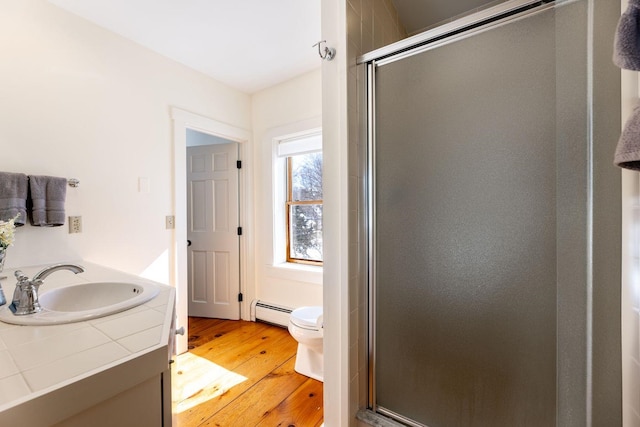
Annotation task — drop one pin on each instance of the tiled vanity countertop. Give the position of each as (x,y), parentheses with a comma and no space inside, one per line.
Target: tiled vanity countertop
(59,370)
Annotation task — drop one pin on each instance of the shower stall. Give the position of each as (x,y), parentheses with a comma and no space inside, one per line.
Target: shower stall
(494,218)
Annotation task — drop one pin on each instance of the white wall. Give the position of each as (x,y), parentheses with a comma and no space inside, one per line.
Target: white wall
(78,101)
(285,109)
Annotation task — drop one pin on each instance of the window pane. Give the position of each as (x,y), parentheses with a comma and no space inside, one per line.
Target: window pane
(306,177)
(306,232)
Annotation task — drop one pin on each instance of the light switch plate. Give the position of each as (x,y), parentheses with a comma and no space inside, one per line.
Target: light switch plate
(144,185)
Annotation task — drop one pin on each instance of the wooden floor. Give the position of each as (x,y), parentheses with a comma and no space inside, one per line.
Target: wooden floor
(240,374)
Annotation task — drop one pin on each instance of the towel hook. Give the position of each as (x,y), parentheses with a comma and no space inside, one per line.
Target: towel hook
(328,53)
(73,182)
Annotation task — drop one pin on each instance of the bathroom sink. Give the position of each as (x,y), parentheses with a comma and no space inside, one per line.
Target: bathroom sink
(78,303)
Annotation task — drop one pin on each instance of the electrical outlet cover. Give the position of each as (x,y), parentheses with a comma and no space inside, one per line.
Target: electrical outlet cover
(75,224)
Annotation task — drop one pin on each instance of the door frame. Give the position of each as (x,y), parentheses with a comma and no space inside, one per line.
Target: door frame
(178,269)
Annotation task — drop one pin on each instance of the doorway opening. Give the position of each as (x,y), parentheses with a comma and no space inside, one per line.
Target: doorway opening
(184,122)
(213,226)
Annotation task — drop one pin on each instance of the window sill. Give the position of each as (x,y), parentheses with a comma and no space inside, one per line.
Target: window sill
(297,272)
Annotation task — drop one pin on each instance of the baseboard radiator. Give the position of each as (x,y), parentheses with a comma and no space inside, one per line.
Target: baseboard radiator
(270,313)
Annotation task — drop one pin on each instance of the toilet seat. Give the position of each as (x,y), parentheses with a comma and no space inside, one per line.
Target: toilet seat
(307,318)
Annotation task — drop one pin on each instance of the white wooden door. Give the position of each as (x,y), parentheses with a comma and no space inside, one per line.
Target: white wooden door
(212,229)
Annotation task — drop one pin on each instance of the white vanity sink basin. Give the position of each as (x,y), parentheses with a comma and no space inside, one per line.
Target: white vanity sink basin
(78,303)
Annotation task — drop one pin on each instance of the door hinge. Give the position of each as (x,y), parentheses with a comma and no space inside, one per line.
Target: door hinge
(240,297)
(239,231)
(239,164)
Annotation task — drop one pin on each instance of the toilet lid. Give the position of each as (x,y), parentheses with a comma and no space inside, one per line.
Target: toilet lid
(306,317)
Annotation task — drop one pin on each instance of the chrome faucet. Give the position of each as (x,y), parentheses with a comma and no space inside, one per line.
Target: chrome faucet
(25,296)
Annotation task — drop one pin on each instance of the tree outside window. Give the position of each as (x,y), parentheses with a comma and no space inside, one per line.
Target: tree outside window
(304,208)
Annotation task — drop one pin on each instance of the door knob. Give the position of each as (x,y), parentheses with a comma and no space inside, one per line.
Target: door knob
(188,243)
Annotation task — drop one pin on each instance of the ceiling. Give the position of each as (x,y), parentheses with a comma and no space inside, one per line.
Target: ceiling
(246,44)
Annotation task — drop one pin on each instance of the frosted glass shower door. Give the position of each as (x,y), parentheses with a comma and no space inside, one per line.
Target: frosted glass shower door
(476,221)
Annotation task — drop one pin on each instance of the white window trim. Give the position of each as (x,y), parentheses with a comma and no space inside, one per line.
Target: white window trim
(276,261)
(303,143)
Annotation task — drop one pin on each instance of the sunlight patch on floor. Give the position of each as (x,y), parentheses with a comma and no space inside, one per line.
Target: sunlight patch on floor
(195,380)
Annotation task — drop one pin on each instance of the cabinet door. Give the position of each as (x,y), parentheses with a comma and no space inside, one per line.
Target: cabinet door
(140,406)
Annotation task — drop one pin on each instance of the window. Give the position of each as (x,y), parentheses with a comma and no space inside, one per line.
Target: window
(303,198)
(304,208)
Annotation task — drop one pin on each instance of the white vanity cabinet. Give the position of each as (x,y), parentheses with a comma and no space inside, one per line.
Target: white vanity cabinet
(147,404)
(112,371)
(138,406)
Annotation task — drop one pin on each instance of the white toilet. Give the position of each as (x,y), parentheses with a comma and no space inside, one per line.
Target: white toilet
(305,325)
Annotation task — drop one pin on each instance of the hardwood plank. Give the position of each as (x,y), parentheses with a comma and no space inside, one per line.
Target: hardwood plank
(230,351)
(203,322)
(242,377)
(205,333)
(303,408)
(260,399)
(225,339)
(211,329)
(199,324)
(252,360)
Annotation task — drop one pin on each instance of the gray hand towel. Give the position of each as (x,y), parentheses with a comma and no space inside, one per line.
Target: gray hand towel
(13,197)
(628,150)
(48,195)
(626,48)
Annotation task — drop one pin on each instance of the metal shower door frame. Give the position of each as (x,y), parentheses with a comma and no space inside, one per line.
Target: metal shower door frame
(469,26)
